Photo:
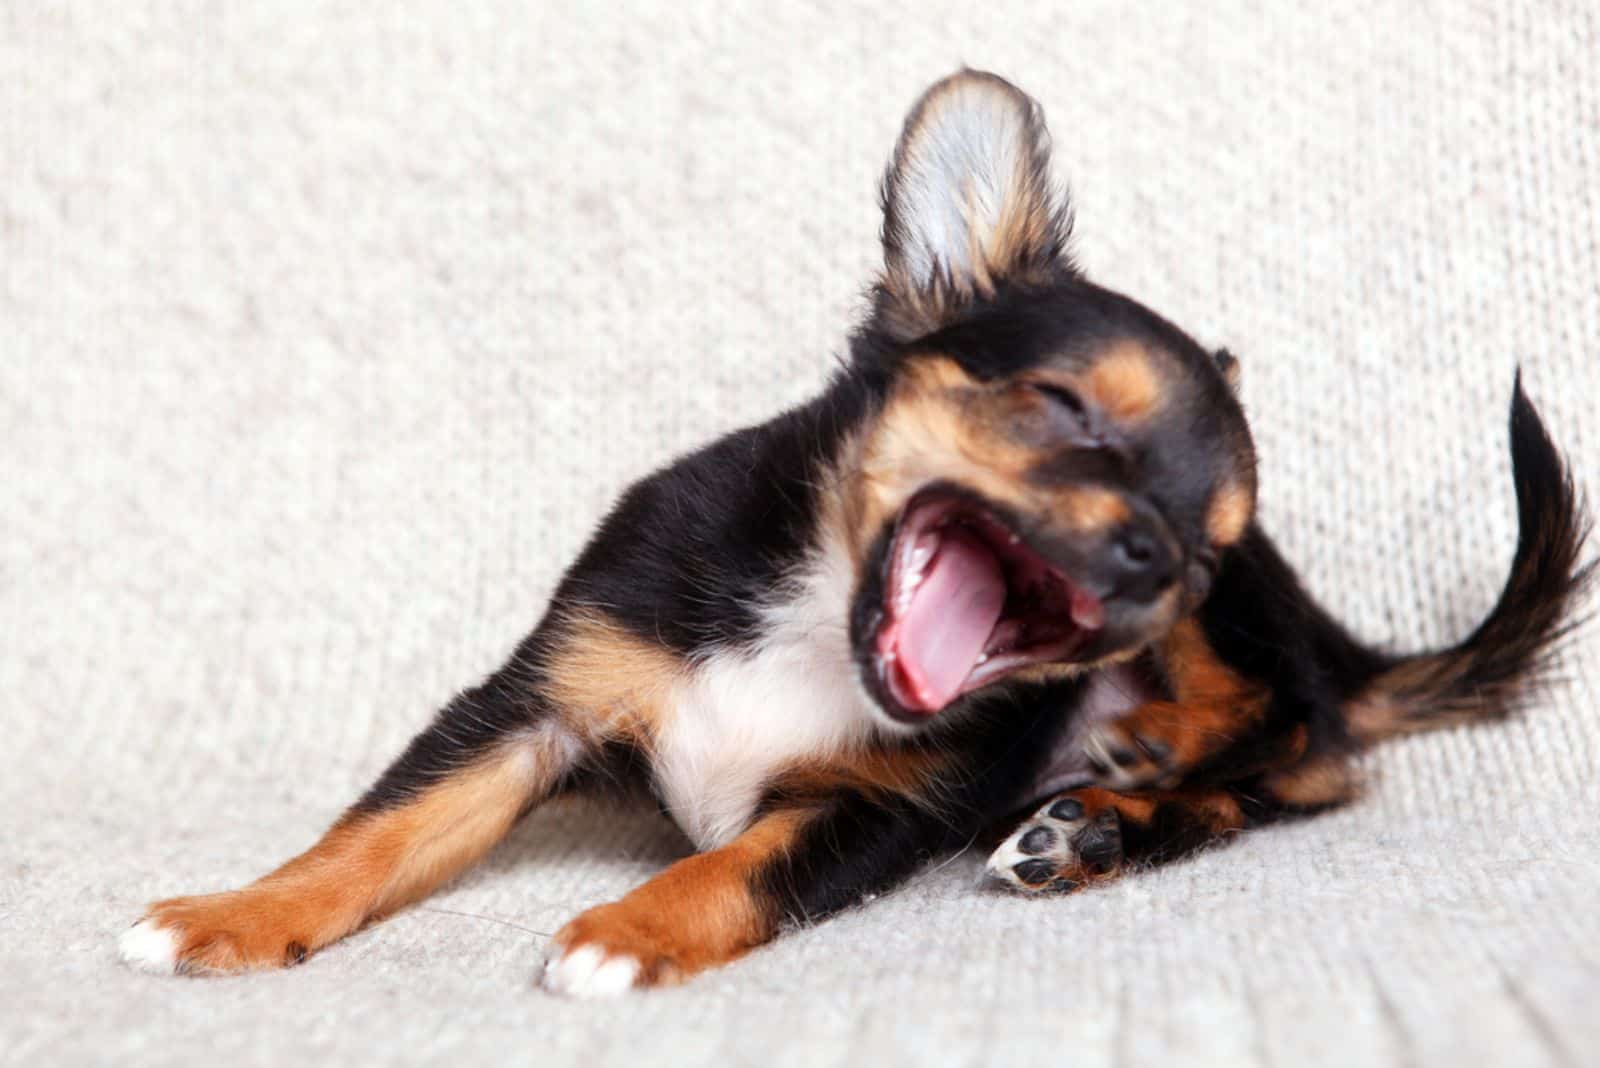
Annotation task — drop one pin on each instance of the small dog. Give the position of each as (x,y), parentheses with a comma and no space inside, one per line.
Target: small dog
(1007,557)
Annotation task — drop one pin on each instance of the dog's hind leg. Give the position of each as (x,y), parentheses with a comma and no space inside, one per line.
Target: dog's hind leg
(1090,835)
(490,754)
(1087,836)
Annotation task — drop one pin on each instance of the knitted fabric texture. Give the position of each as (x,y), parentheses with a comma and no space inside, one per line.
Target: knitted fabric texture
(328,333)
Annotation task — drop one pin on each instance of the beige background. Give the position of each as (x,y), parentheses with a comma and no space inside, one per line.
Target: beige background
(327,332)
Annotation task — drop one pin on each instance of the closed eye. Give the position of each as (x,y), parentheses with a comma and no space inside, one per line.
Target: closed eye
(1072,418)
(1063,398)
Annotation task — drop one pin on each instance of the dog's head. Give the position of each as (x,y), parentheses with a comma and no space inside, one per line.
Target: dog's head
(1054,468)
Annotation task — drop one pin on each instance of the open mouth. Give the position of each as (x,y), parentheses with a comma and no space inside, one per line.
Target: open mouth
(966,602)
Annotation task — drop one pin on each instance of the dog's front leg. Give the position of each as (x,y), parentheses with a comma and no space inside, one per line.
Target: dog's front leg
(702,911)
(490,754)
(793,865)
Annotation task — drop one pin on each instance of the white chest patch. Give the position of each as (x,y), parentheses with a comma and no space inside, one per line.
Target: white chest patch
(740,716)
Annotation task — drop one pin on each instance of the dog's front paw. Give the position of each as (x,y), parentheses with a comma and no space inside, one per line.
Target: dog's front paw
(590,970)
(1135,752)
(606,951)
(1067,844)
(214,934)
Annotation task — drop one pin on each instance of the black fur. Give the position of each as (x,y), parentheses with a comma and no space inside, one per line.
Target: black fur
(864,843)
(689,556)
(473,723)
(1347,694)
(1114,513)
(690,553)
(1490,672)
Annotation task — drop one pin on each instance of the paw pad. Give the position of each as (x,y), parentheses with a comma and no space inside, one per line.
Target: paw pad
(1058,849)
(1036,841)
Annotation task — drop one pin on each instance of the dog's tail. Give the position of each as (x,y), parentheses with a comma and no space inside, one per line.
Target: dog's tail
(1488,674)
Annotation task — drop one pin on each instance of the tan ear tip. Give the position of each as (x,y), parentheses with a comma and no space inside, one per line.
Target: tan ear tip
(1228,364)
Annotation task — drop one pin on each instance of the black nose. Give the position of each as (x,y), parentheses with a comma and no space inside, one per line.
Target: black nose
(1141,564)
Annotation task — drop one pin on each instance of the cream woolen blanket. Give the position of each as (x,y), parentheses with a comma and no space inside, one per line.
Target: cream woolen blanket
(326,333)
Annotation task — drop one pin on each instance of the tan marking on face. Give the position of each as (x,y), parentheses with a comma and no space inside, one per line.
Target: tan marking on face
(700,912)
(1125,383)
(1229,514)
(1092,510)
(936,374)
(938,425)
(605,680)
(368,865)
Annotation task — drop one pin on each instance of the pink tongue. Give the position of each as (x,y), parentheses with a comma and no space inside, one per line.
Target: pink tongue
(951,616)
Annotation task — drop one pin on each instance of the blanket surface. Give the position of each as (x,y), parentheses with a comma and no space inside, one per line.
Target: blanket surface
(327,331)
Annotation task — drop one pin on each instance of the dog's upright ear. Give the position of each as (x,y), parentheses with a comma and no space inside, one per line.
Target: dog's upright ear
(968,203)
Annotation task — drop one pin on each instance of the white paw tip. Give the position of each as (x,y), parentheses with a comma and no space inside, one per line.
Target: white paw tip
(149,947)
(1002,860)
(586,972)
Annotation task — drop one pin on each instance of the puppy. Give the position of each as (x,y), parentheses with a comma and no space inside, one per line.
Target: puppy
(1008,555)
